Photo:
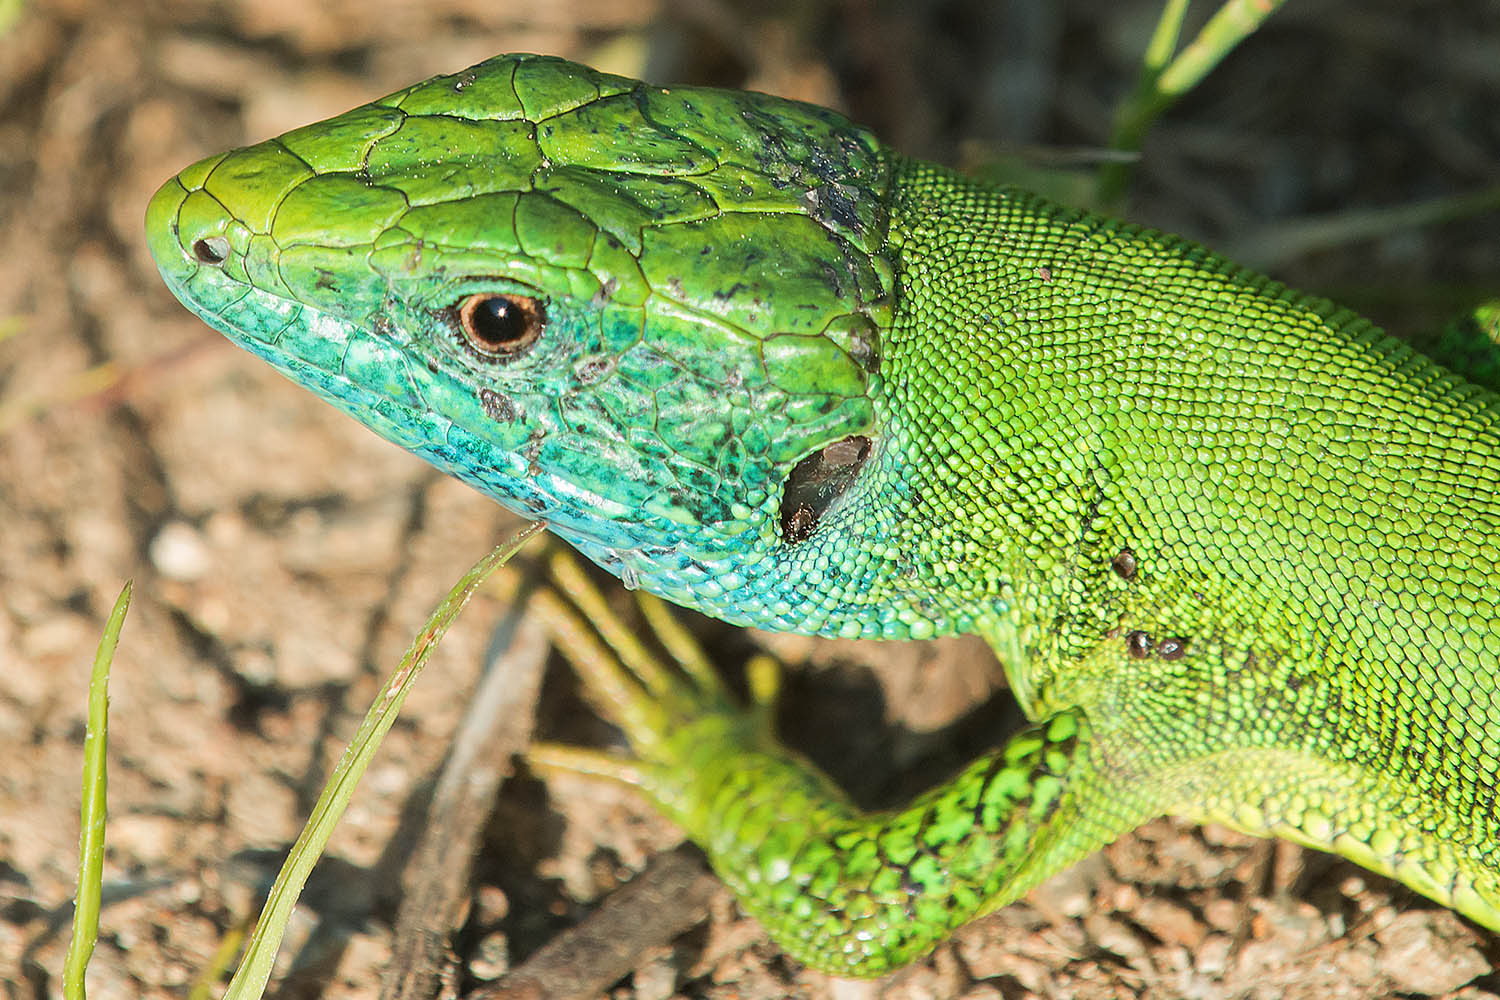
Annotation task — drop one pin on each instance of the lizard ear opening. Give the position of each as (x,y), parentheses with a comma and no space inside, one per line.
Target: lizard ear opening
(816,482)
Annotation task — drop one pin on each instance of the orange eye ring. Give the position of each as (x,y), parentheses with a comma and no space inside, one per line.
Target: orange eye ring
(499,326)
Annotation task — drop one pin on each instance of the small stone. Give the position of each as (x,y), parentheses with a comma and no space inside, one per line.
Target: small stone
(179,552)
(1125,898)
(1212,959)
(1169,922)
(1171,960)
(1429,952)
(655,979)
(986,954)
(1114,936)
(1070,893)
(981,991)
(491,905)
(1033,975)
(491,957)
(853,989)
(1223,914)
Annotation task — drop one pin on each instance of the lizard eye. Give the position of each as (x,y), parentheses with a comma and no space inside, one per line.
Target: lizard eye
(500,327)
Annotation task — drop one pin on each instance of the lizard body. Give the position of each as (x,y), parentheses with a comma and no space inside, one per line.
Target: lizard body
(1236,548)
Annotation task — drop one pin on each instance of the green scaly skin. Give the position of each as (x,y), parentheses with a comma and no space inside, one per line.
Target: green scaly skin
(1236,548)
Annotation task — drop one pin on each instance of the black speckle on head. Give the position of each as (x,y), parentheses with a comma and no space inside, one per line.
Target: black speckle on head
(834,279)
(864,348)
(498,406)
(832,203)
(1124,564)
(1138,644)
(590,371)
(605,293)
(1171,648)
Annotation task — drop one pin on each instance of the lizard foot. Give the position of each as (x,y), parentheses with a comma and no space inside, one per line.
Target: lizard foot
(653,698)
(850,892)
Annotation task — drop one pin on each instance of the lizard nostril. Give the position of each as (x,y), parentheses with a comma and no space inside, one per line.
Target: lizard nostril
(211,250)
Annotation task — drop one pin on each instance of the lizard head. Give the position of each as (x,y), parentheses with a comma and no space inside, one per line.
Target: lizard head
(652,317)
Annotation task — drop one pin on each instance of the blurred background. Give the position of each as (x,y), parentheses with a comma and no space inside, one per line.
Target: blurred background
(283,556)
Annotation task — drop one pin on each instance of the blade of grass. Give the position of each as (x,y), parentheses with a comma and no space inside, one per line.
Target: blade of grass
(1162,83)
(250,980)
(92,813)
(1271,245)
(1230,25)
(210,975)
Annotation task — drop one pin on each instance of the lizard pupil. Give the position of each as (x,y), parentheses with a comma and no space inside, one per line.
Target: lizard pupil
(500,327)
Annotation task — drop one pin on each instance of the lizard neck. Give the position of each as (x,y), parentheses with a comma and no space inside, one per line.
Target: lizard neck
(1095,428)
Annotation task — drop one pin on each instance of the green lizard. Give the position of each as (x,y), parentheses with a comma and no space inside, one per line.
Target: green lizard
(1236,548)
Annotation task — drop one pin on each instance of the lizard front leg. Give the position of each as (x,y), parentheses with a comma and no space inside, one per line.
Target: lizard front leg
(852,893)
